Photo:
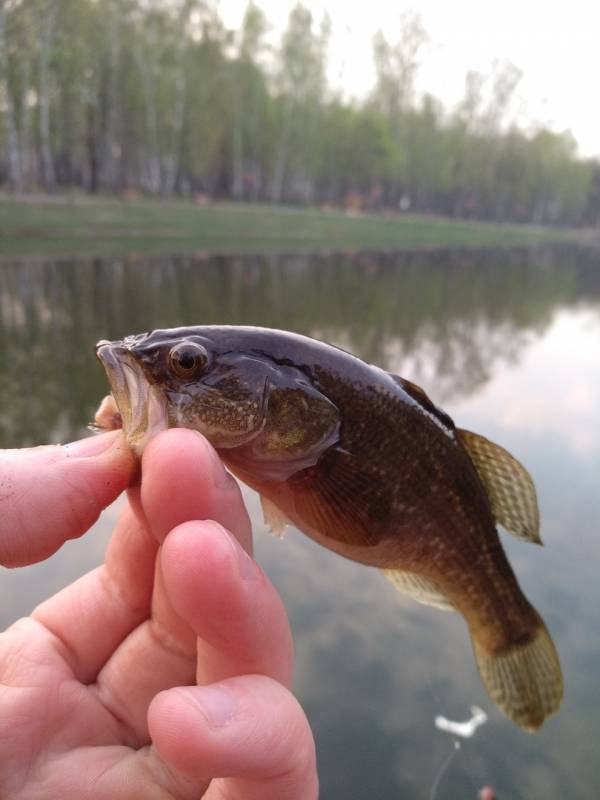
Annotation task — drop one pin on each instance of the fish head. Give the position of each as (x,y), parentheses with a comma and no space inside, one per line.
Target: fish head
(241,400)
(173,379)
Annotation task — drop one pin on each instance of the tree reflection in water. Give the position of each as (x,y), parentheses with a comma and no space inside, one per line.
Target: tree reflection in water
(445,319)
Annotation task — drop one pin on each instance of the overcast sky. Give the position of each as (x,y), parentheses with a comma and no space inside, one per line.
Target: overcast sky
(556,45)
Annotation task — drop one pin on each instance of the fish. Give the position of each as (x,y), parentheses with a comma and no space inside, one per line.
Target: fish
(363,462)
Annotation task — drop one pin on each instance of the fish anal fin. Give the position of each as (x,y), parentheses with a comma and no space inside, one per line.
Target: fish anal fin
(524,681)
(421,589)
(508,485)
(274,517)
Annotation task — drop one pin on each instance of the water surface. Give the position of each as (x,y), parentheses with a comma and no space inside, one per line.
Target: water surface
(508,343)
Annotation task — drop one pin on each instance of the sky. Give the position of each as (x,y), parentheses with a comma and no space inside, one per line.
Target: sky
(554,44)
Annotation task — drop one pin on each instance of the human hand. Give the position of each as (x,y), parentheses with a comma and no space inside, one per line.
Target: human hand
(97,688)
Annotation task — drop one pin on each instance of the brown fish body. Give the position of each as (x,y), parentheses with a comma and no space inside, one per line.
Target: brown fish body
(398,490)
(365,464)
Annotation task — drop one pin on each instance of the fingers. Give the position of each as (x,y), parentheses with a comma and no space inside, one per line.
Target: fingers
(92,616)
(228,602)
(182,479)
(249,729)
(51,494)
(221,594)
(245,738)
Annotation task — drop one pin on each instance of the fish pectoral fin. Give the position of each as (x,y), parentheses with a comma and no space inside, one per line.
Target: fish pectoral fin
(509,486)
(421,589)
(343,500)
(274,517)
(524,681)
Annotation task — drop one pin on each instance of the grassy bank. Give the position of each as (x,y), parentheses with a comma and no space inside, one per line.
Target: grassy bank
(40,226)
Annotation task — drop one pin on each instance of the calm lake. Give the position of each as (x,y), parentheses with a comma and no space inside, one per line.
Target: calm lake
(507,342)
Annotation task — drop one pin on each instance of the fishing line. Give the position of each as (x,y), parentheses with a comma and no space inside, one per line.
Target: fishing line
(431,688)
(465,730)
(444,768)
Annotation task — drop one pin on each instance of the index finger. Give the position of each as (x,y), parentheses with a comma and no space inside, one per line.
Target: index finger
(54,493)
(174,491)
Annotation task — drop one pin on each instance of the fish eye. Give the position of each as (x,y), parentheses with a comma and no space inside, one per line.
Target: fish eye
(187,359)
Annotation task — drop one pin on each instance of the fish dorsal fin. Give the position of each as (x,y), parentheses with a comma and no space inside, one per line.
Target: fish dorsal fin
(413,389)
(422,398)
(274,517)
(423,590)
(508,485)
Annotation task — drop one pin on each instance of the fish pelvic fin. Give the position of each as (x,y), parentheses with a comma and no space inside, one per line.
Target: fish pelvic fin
(509,486)
(525,681)
(274,517)
(421,589)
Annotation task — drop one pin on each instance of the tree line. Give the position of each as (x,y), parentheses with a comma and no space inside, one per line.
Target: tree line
(148,97)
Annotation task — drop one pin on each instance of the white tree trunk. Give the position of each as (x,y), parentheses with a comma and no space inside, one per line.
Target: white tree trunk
(109,165)
(46,17)
(25,124)
(172,159)
(237,188)
(152,166)
(281,158)
(15,172)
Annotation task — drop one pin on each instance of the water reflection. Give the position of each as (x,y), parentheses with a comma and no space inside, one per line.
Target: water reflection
(508,342)
(446,319)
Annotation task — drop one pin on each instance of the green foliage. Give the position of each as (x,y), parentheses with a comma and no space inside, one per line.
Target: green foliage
(149,97)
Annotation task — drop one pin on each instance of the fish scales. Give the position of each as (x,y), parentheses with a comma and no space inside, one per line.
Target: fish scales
(415,508)
(364,463)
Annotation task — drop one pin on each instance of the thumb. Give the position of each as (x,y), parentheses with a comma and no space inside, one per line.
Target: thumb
(54,493)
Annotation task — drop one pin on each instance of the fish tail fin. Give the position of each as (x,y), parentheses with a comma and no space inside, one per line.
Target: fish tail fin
(525,680)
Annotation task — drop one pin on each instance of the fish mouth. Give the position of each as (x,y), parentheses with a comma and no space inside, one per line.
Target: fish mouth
(142,407)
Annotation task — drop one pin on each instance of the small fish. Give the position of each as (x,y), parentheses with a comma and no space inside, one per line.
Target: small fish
(363,462)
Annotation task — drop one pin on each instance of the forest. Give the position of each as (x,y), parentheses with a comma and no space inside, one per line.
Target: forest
(139,98)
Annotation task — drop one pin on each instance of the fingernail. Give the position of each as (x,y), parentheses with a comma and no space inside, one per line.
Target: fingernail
(92,446)
(222,478)
(216,703)
(246,564)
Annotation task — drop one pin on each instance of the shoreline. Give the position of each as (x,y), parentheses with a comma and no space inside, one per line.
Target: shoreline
(77,224)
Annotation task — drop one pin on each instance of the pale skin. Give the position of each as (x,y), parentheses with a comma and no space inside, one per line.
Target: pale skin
(165,673)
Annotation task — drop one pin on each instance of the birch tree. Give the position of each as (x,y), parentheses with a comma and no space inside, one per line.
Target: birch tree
(158,97)
(249,104)
(46,17)
(15,172)
(300,83)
